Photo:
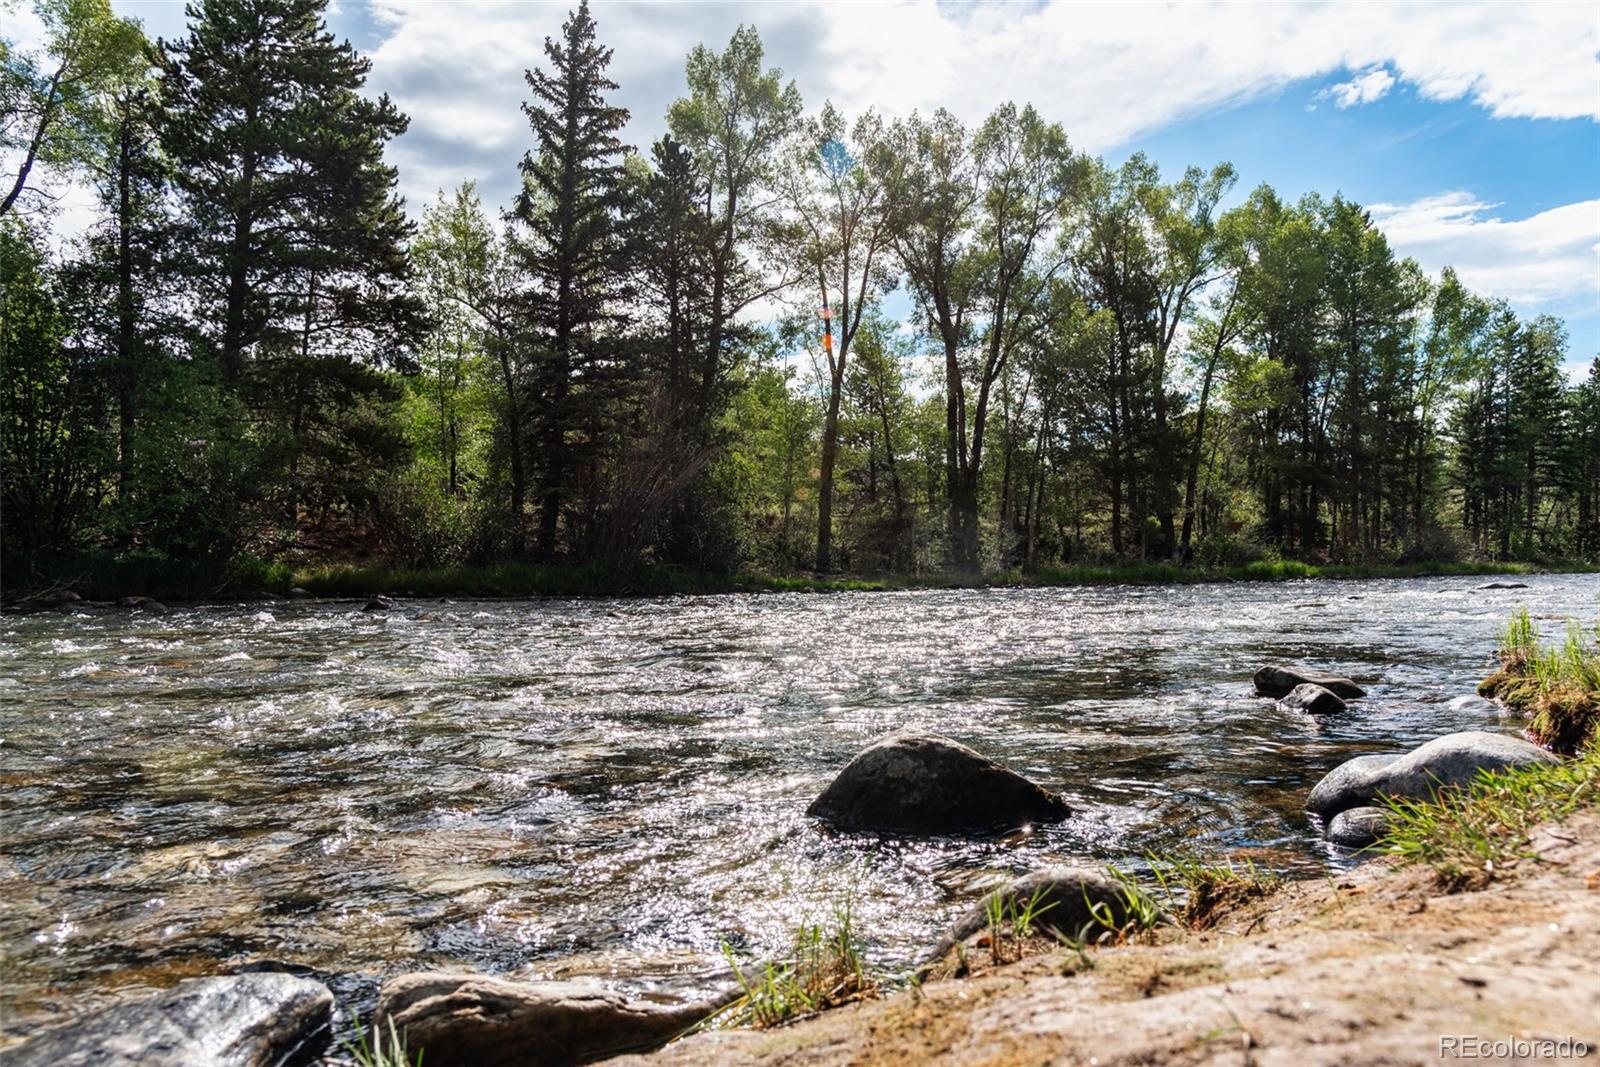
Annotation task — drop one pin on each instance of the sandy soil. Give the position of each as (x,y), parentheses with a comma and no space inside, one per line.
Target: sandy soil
(1374,968)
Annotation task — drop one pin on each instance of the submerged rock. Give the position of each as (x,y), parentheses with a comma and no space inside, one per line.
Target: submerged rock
(143,603)
(379,602)
(1443,763)
(927,784)
(1070,901)
(298,593)
(1504,585)
(1358,827)
(1477,706)
(480,1021)
(247,1020)
(1313,698)
(1281,681)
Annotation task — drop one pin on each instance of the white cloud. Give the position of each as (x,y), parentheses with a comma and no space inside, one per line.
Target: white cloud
(1108,72)
(1546,261)
(1365,88)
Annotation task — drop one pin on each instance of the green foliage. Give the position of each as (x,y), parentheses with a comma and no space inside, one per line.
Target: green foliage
(1472,836)
(53,101)
(1557,686)
(1199,891)
(1104,377)
(382,1049)
(824,969)
(54,444)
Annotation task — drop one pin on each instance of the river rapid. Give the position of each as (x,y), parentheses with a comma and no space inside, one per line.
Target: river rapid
(616,788)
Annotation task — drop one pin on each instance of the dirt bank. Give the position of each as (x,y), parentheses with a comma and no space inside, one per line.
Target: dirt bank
(1375,967)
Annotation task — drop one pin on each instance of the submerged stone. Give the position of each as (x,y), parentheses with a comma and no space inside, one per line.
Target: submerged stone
(1445,762)
(1280,682)
(927,784)
(1312,698)
(1358,827)
(246,1020)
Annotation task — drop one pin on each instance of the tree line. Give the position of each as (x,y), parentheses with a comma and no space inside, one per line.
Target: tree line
(777,338)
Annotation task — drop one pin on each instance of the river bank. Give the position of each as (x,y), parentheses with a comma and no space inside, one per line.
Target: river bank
(109,580)
(1378,964)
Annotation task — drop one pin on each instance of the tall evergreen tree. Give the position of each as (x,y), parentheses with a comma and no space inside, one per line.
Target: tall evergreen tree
(295,237)
(571,207)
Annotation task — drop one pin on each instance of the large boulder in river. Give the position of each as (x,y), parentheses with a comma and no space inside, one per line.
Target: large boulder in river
(1312,698)
(1358,827)
(1444,763)
(1280,682)
(473,1020)
(1074,902)
(247,1020)
(927,784)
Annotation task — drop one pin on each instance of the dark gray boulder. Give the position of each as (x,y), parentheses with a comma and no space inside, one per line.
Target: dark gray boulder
(1358,827)
(1074,902)
(146,604)
(1280,682)
(246,1020)
(298,593)
(471,1020)
(379,602)
(1444,763)
(1504,585)
(1312,698)
(926,784)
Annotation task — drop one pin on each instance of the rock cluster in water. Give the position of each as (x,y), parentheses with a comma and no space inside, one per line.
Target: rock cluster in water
(1281,681)
(1447,762)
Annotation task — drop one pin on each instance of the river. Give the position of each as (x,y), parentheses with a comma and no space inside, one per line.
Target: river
(617,787)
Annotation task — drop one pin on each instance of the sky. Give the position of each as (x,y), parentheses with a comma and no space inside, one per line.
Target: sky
(1471,131)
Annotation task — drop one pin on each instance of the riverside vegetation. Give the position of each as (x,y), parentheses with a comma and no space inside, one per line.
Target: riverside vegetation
(255,368)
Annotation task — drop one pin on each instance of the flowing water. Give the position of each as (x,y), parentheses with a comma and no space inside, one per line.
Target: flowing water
(617,787)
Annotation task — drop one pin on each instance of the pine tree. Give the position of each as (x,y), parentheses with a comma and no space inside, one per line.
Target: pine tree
(571,206)
(295,237)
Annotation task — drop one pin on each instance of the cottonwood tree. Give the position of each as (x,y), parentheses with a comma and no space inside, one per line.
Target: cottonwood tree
(836,185)
(734,121)
(55,103)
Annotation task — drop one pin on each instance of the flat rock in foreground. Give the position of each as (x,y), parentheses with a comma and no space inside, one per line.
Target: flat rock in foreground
(1280,682)
(474,1020)
(1444,763)
(246,1020)
(927,784)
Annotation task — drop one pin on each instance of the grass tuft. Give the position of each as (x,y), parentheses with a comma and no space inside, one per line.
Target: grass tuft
(825,969)
(1200,891)
(1471,837)
(1556,686)
(382,1050)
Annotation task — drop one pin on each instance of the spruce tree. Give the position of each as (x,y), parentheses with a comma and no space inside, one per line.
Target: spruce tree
(571,204)
(295,238)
